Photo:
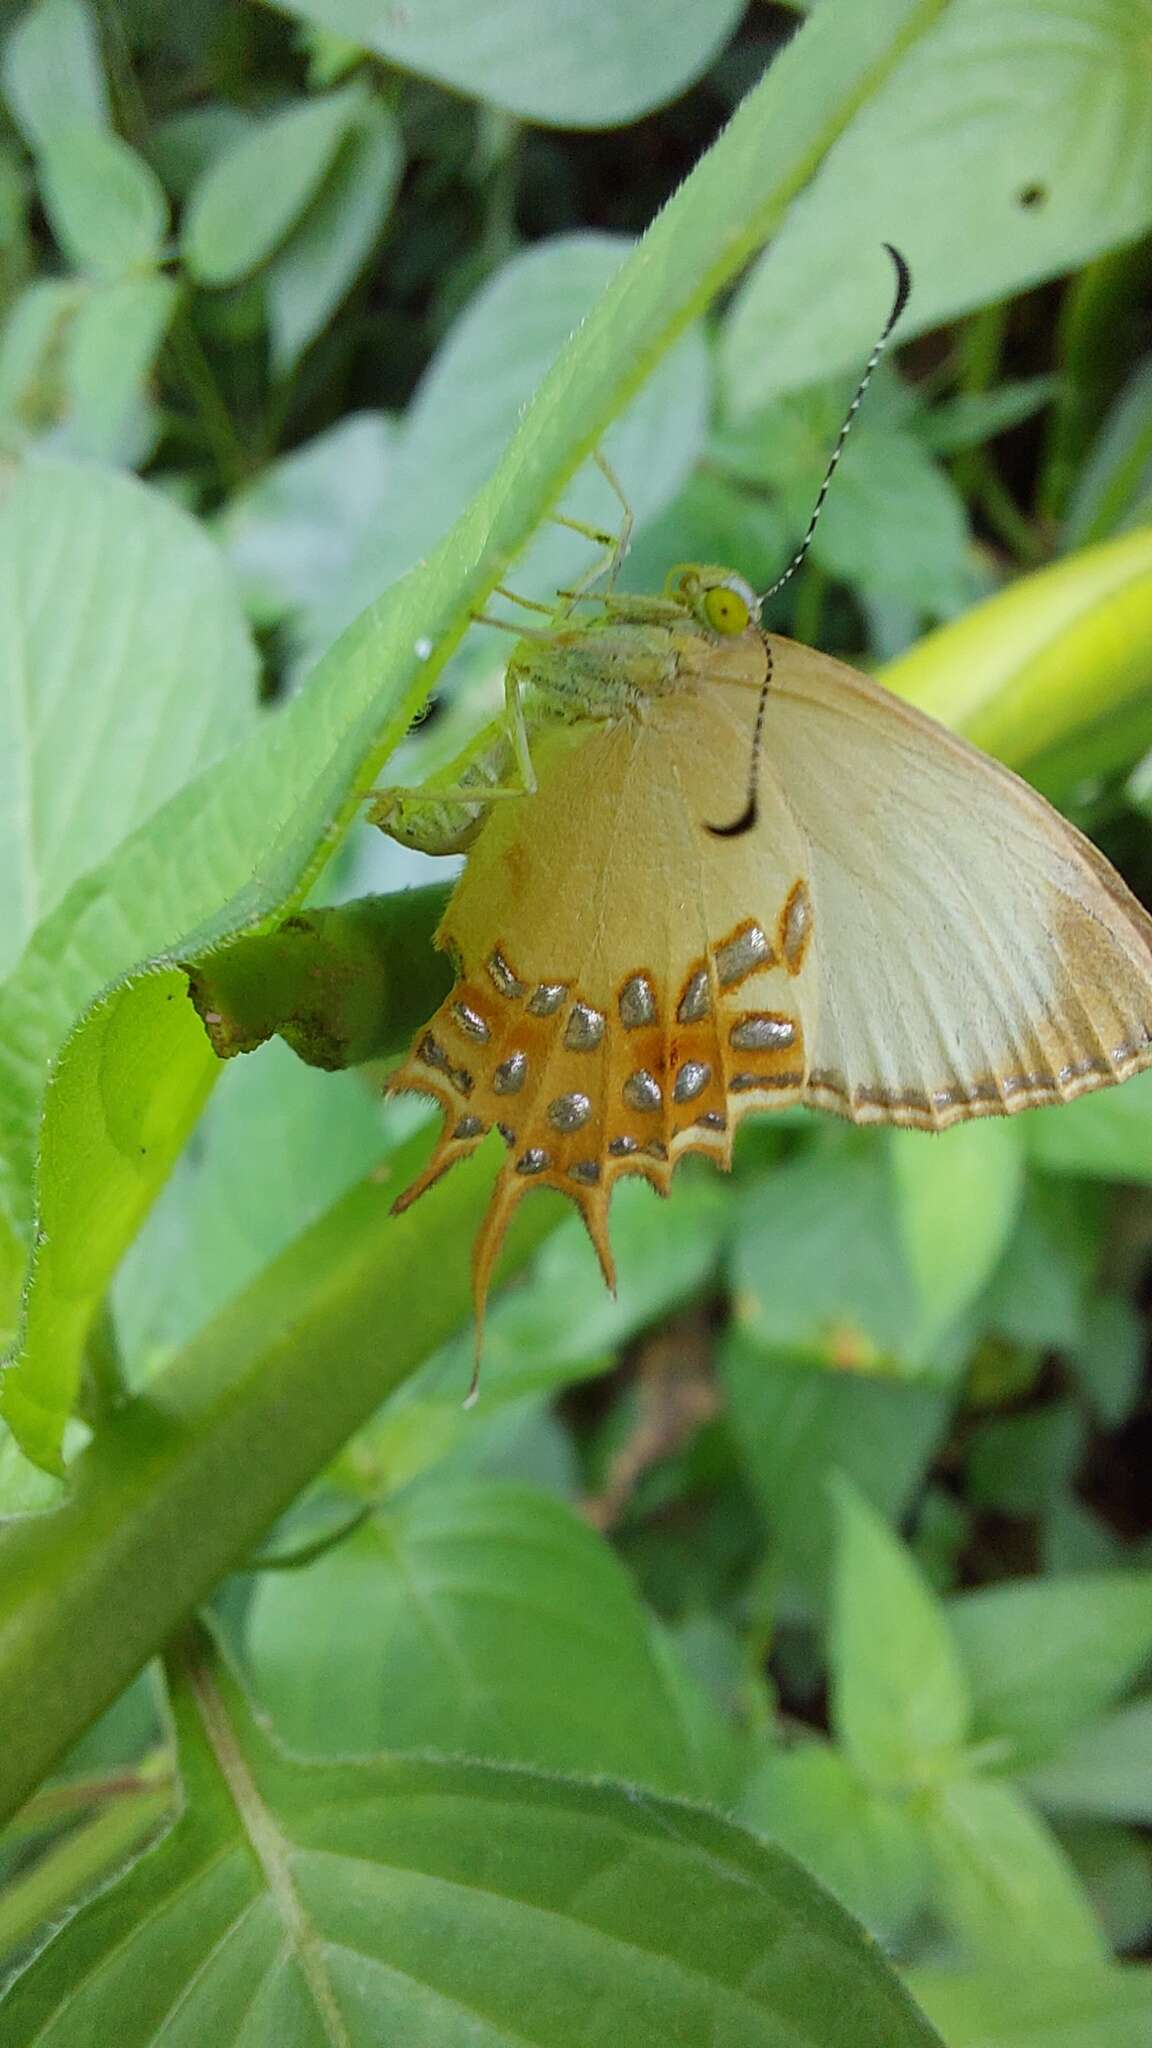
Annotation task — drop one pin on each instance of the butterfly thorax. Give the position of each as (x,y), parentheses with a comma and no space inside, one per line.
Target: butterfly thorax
(629,652)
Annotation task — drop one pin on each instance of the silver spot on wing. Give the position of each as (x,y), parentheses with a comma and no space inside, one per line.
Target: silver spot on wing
(472,1022)
(762,1032)
(637,1002)
(585,1028)
(691,1081)
(546,998)
(510,1074)
(696,1002)
(503,978)
(742,955)
(568,1112)
(642,1090)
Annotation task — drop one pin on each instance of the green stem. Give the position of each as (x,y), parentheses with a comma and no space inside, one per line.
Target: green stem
(56,1804)
(500,135)
(974,471)
(235,462)
(979,354)
(103,1388)
(1004,515)
(1119,494)
(307,1553)
(77,1864)
(181,1485)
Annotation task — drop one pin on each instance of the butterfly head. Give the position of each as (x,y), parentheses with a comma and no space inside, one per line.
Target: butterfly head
(717,598)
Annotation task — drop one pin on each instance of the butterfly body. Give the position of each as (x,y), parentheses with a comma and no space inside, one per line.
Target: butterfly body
(904,934)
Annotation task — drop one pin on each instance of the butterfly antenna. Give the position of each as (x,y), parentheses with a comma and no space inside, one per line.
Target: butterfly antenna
(747,818)
(903,287)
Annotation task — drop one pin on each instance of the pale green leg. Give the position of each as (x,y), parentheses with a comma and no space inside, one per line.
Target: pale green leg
(445,817)
(617,545)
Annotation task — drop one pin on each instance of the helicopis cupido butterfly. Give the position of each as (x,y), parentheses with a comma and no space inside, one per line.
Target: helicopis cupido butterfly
(892,926)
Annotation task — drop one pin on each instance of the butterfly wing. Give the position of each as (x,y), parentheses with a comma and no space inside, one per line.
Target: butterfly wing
(908,935)
(622,994)
(971,953)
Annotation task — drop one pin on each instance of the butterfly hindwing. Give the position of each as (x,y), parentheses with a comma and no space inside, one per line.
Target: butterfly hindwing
(974,953)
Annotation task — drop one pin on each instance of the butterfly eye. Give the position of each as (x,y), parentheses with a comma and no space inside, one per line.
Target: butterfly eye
(725,610)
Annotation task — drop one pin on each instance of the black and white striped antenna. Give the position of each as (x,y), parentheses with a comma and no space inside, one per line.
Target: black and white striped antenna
(903,287)
(747,818)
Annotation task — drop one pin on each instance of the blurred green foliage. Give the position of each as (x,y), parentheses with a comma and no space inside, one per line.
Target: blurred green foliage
(824,1550)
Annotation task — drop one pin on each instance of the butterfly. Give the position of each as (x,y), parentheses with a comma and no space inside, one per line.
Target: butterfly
(739,875)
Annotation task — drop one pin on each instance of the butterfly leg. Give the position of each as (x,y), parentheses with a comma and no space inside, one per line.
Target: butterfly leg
(617,544)
(530,604)
(444,815)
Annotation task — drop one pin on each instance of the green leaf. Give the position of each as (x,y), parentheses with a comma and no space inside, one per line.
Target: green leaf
(1107,1135)
(1045,1655)
(253,194)
(958,1200)
(819,1268)
(31,351)
(1114,1864)
(1040,662)
(106,205)
(1114,489)
(795,1424)
(293,534)
(895,524)
(559,1325)
(278,1145)
(1100,334)
(583,65)
(1005,1886)
(563,1317)
(1038,1296)
(901,1706)
(111,586)
(1109,1359)
(111,348)
(472,1618)
(709,521)
(183,145)
(250,839)
(972,417)
(1022,1464)
(1105,1770)
(416,1899)
(867,1849)
(469,402)
(75,361)
(1028,131)
(1050,2008)
(51,70)
(321,260)
(1073,1539)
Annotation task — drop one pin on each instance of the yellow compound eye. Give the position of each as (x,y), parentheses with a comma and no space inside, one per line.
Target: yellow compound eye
(725,610)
